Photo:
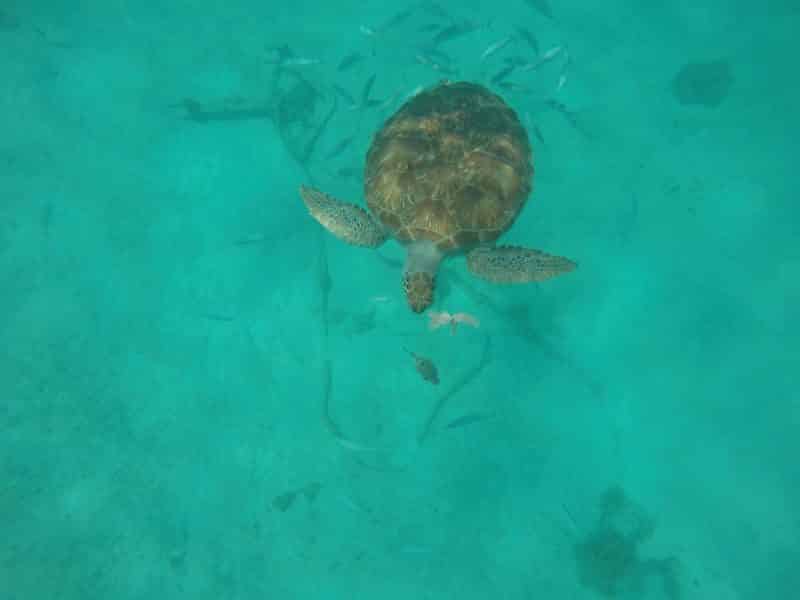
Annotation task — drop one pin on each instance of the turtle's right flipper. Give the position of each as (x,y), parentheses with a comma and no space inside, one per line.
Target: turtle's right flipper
(512,264)
(348,222)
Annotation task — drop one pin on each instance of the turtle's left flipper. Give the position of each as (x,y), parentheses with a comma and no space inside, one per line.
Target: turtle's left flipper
(511,264)
(348,222)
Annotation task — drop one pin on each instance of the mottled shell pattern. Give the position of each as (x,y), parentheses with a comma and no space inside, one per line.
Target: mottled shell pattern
(453,166)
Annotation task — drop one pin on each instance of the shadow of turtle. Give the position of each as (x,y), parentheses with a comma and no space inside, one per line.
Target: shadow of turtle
(608,559)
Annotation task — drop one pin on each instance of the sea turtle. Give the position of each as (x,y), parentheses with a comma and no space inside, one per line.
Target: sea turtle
(447,174)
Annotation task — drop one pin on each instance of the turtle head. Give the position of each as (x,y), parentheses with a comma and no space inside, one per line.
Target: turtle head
(419,274)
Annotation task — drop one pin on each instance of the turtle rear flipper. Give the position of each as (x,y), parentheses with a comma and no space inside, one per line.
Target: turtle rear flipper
(512,264)
(348,222)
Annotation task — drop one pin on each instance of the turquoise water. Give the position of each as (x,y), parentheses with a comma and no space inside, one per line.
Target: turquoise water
(206,395)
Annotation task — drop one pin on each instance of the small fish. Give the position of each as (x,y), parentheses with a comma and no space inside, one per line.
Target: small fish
(435,65)
(502,74)
(552,53)
(557,106)
(436,54)
(560,107)
(414,92)
(388,102)
(308,148)
(300,61)
(346,172)
(546,57)
(529,38)
(538,133)
(425,367)
(284,501)
(256,238)
(397,19)
(345,95)
(562,78)
(430,27)
(435,9)
(513,86)
(367,89)
(340,147)
(516,60)
(454,31)
(349,60)
(281,54)
(446,34)
(543,6)
(496,46)
(366,101)
(367,31)
(468,419)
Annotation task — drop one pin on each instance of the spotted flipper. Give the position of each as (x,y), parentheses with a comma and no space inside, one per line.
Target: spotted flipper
(348,222)
(511,264)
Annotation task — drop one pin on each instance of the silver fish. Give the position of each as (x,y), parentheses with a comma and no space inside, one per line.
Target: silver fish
(299,61)
(280,53)
(546,57)
(512,86)
(340,147)
(543,6)
(502,74)
(538,133)
(468,419)
(349,60)
(346,172)
(497,46)
(435,9)
(454,31)
(570,116)
(562,78)
(529,38)
(435,65)
(397,19)
(430,27)
(351,102)
(367,89)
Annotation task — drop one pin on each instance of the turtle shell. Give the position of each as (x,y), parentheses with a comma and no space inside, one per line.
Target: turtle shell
(452,166)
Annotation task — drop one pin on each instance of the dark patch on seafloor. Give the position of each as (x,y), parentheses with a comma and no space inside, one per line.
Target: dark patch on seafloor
(703,83)
(608,558)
